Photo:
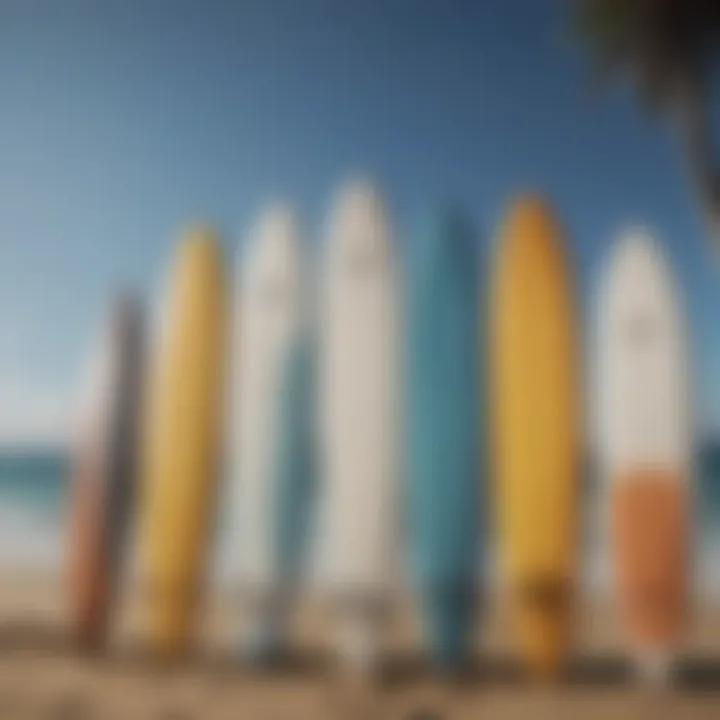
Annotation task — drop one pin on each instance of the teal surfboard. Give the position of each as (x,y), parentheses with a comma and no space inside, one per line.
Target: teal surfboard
(442,426)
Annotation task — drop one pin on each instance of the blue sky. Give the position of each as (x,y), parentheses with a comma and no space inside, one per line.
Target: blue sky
(122,121)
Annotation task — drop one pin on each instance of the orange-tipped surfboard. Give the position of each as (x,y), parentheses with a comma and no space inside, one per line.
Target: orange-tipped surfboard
(644,403)
(104,474)
(185,409)
(535,406)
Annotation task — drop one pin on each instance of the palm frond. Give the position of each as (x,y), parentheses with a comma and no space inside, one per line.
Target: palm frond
(651,40)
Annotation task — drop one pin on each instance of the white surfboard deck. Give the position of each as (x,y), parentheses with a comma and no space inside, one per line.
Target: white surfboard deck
(269,317)
(359,413)
(643,387)
(643,401)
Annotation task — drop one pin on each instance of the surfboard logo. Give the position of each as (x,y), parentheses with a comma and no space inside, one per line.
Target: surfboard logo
(548,595)
(642,331)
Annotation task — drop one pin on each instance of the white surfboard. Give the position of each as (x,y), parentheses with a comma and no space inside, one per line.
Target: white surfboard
(359,411)
(645,444)
(269,321)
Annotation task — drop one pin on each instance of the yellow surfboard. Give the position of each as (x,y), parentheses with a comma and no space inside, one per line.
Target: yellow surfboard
(536,415)
(183,433)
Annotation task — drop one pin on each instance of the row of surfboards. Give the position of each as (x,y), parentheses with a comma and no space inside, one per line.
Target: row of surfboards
(387,415)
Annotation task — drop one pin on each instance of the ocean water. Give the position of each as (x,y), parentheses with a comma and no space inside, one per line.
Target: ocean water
(34,508)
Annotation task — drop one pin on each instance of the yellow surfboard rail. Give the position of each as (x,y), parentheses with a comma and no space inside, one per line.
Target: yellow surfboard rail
(535,406)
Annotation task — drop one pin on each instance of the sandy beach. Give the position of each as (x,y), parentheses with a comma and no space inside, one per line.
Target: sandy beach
(41,676)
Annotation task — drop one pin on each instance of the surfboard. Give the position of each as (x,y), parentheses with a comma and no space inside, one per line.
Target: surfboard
(104,475)
(359,413)
(185,410)
(442,409)
(536,430)
(645,444)
(273,476)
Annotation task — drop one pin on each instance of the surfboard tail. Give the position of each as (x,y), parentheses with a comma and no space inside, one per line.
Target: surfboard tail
(543,621)
(358,642)
(266,643)
(654,666)
(170,612)
(361,621)
(450,608)
(544,644)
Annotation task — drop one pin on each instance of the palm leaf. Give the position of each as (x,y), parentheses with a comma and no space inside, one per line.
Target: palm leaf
(652,41)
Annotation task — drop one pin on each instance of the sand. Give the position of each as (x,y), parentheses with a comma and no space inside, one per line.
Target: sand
(41,676)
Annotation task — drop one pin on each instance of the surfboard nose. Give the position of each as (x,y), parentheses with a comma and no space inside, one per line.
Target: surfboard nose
(636,245)
(446,232)
(638,269)
(272,243)
(530,213)
(359,228)
(197,263)
(199,243)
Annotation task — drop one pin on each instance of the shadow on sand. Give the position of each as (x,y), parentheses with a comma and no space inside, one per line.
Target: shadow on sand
(611,672)
(691,675)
